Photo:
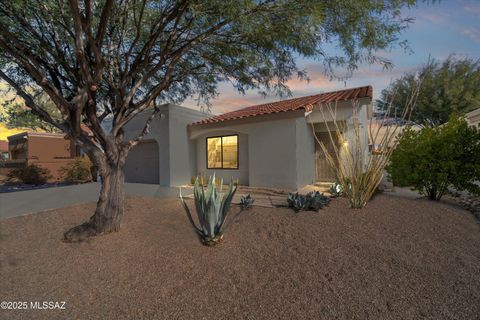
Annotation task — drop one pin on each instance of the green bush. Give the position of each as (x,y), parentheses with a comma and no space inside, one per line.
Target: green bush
(435,158)
(30,174)
(77,171)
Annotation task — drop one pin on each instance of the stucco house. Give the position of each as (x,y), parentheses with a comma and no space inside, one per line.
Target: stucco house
(51,151)
(266,145)
(473,117)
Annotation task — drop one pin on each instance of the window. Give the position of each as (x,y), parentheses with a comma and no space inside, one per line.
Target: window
(222,152)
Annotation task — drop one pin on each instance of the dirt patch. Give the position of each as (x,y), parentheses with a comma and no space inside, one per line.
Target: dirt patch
(397,259)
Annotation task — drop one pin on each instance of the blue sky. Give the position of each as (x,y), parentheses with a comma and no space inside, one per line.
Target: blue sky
(443,28)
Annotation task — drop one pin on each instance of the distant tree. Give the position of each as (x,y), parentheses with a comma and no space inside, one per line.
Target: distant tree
(438,157)
(451,86)
(98,58)
(16,115)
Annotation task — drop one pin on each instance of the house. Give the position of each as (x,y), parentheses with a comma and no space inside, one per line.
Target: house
(473,117)
(47,150)
(3,150)
(267,145)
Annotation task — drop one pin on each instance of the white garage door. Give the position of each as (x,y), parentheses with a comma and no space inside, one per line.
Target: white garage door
(142,164)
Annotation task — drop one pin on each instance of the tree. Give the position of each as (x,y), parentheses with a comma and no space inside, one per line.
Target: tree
(438,157)
(448,87)
(16,115)
(99,58)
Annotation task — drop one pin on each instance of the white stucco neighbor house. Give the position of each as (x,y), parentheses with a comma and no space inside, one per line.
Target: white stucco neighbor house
(473,117)
(266,145)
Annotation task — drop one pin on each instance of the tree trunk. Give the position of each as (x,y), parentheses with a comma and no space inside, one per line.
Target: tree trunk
(109,210)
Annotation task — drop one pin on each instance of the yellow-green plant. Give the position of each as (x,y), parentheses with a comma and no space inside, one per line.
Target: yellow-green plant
(77,171)
(358,158)
(212,208)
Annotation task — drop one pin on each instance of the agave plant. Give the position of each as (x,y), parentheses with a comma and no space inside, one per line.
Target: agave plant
(212,208)
(317,200)
(336,190)
(312,201)
(246,202)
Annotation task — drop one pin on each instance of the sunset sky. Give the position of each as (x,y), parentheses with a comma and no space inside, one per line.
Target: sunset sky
(446,27)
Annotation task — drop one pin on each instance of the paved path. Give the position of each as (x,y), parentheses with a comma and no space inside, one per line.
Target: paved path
(23,202)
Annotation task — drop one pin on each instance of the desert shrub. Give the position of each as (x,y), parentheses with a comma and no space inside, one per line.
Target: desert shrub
(358,167)
(246,202)
(30,174)
(435,158)
(77,171)
(212,208)
(312,201)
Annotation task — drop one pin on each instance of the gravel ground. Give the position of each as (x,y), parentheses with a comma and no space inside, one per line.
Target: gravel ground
(397,259)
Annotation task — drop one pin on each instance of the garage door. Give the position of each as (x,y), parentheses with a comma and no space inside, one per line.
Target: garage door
(142,164)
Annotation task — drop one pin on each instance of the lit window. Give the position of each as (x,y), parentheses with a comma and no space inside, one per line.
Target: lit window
(222,152)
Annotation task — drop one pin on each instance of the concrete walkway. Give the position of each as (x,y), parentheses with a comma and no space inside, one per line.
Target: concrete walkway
(24,202)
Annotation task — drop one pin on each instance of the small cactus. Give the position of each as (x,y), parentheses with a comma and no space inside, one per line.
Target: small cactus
(246,202)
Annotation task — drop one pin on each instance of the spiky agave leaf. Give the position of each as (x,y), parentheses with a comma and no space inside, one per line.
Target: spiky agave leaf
(199,203)
(189,215)
(225,207)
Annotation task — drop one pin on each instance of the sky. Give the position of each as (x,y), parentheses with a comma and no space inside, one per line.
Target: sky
(440,29)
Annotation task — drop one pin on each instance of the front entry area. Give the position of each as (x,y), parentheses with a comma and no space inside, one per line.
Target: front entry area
(142,164)
(324,171)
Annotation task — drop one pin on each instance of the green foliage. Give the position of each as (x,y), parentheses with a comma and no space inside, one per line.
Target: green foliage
(438,157)
(451,86)
(251,44)
(16,115)
(30,174)
(246,202)
(212,208)
(77,171)
(312,201)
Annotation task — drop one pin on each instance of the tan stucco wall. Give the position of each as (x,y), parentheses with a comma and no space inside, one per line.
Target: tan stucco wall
(48,148)
(226,174)
(176,152)
(280,150)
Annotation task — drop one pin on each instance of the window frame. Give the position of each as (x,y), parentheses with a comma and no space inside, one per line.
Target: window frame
(221,151)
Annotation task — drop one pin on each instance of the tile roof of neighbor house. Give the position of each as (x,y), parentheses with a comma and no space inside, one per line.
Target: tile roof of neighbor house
(305,103)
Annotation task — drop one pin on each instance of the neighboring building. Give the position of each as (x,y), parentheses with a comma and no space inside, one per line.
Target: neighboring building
(473,117)
(3,150)
(267,145)
(388,130)
(48,150)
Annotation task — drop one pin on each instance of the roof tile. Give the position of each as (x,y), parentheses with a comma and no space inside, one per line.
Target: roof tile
(305,103)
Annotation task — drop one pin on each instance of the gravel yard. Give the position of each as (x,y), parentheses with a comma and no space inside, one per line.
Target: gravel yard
(397,259)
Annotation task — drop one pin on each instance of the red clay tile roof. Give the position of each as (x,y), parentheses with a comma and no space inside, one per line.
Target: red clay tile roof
(305,103)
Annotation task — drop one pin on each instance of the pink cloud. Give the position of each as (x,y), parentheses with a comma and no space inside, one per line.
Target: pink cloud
(229,99)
